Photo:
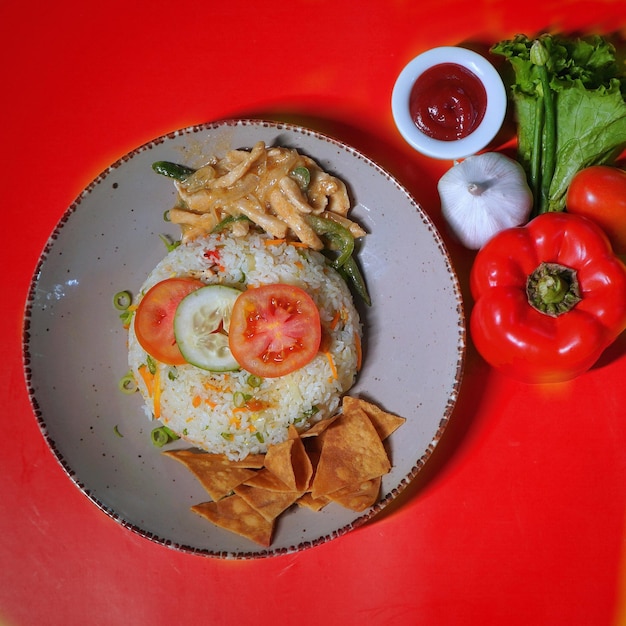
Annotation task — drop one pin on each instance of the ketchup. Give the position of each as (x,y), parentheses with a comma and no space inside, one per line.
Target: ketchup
(447,102)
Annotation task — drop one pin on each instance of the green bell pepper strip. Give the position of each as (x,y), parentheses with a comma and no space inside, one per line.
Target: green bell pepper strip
(337,237)
(172,170)
(352,274)
(229,221)
(302,176)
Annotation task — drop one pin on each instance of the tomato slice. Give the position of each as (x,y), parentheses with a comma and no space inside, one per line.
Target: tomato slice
(154,318)
(274,330)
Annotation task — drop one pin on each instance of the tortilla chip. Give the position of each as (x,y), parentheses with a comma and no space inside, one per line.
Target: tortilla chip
(217,474)
(320,427)
(301,464)
(270,504)
(252,461)
(313,447)
(352,454)
(358,497)
(264,479)
(236,515)
(384,423)
(289,462)
(339,460)
(315,504)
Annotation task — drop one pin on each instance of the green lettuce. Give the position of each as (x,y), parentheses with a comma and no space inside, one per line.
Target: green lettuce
(588,95)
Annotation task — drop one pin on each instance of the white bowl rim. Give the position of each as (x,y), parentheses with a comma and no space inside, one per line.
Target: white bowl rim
(494,113)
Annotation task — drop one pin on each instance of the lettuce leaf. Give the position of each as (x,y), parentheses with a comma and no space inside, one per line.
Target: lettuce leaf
(590,99)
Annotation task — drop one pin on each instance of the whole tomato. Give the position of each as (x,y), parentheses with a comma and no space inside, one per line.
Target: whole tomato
(599,193)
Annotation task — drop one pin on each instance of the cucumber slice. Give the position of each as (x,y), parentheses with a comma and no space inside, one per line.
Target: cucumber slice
(201,325)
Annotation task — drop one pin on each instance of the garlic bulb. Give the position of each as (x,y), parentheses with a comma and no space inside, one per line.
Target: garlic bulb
(483,195)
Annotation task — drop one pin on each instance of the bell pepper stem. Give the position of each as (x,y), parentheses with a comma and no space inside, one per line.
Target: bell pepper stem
(553,289)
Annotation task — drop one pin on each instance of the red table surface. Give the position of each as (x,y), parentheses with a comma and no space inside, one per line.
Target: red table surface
(519,516)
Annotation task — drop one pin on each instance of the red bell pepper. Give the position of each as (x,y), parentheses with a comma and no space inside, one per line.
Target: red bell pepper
(549,296)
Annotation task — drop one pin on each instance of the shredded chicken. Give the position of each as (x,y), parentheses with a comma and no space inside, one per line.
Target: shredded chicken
(260,185)
(293,218)
(252,209)
(292,192)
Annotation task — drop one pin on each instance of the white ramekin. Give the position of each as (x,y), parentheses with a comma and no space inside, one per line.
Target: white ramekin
(490,124)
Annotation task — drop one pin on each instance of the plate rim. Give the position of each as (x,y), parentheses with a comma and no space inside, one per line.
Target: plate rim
(384,501)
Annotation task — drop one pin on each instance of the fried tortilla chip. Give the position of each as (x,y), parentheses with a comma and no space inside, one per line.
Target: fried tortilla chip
(352,454)
(320,427)
(288,461)
(252,461)
(384,423)
(270,504)
(313,447)
(236,515)
(339,460)
(264,479)
(216,473)
(358,497)
(315,504)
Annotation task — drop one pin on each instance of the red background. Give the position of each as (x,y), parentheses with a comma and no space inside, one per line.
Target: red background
(519,516)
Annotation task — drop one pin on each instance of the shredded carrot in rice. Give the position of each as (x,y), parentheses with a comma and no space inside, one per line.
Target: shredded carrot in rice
(257,405)
(335,320)
(331,362)
(252,405)
(277,242)
(157,393)
(148,378)
(359,351)
(196,401)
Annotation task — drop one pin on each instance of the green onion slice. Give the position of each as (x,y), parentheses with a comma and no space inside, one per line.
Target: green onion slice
(254,381)
(162,435)
(159,437)
(122,300)
(127,383)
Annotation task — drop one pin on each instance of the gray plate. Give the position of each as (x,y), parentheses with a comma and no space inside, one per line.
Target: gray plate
(75,354)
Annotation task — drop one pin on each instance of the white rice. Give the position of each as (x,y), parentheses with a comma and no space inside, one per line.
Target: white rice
(300,398)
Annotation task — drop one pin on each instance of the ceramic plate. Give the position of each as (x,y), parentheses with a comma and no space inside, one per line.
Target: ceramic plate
(75,346)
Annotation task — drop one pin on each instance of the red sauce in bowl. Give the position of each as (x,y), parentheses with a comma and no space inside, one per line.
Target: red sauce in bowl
(447,102)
